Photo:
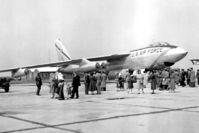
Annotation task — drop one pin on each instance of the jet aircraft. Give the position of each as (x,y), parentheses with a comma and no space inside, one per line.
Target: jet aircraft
(156,56)
(195,61)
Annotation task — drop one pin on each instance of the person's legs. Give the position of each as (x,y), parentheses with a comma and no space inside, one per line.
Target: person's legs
(38,89)
(53,91)
(139,88)
(86,88)
(77,93)
(153,86)
(183,83)
(142,87)
(166,87)
(143,90)
(188,82)
(152,91)
(98,89)
(61,93)
(73,93)
(198,81)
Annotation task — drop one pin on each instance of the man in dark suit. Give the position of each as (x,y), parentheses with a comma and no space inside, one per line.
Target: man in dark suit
(75,84)
(86,82)
(38,81)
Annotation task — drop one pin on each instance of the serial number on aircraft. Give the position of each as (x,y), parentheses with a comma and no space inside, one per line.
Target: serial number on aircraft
(146,51)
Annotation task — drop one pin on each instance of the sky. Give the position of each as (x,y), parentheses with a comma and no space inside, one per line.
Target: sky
(90,28)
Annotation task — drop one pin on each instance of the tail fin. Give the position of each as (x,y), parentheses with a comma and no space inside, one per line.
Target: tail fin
(61,51)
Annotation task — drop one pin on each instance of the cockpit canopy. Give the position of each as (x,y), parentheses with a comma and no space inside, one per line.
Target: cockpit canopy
(162,44)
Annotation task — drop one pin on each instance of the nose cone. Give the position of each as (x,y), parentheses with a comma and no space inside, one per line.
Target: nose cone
(176,54)
(176,51)
(180,51)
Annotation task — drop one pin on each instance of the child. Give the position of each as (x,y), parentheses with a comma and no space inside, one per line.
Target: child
(121,83)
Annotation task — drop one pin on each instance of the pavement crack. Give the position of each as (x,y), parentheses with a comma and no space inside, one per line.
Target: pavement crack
(42,125)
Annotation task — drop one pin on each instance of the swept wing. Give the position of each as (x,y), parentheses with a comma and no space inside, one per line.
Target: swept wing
(66,63)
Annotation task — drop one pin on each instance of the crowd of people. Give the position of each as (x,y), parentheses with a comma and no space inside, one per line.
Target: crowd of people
(164,79)
(56,85)
(95,82)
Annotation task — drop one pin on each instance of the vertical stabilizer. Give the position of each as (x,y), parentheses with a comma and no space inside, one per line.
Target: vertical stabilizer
(61,51)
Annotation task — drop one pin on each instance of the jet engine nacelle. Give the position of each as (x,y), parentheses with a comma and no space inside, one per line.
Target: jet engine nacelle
(100,66)
(77,68)
(69,69)
(20,72)
(103,65)
(97,66)
(92,66)
(89,67)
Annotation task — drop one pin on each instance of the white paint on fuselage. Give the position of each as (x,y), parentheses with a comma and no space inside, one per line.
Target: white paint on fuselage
(144,58)
(154,56)
(173,55)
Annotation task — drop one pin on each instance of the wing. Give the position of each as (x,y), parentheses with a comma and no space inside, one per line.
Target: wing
(66,63)
(109,58)
(56,64)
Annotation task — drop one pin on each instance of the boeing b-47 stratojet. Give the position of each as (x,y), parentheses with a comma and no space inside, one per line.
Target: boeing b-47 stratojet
(155,56)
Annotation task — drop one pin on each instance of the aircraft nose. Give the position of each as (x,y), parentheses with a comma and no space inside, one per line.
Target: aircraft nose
(176,54)
(181,51)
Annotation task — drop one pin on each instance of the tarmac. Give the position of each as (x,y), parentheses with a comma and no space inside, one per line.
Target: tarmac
(113,111)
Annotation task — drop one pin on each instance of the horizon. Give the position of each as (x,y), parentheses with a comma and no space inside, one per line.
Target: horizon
(94,28)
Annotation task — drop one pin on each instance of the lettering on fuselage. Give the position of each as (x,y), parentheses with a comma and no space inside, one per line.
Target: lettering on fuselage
(146,52)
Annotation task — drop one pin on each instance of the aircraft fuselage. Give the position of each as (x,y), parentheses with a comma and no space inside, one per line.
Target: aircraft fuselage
(158,56)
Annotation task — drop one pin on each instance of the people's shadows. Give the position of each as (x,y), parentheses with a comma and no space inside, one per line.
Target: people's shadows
(11,91)
(176,92)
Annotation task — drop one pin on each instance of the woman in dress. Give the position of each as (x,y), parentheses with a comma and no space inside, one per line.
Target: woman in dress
(129,80)
(92,86)
(153,79)
(172,81)
(140,80)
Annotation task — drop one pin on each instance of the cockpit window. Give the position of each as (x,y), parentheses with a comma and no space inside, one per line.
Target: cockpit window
(157,44)
(162,44)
